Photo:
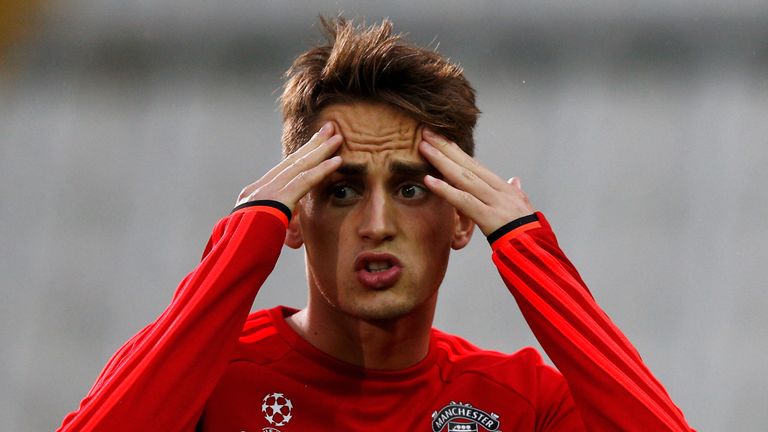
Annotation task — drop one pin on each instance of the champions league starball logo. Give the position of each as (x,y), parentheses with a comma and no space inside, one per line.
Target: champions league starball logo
(277,409)
(460,417)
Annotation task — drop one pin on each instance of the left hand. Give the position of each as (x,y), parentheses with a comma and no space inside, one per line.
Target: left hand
(472,188)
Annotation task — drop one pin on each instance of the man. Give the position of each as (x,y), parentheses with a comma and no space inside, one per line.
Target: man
(378,185)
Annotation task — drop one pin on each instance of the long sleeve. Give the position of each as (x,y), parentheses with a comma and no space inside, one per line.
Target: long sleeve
(161,378)
(611,386)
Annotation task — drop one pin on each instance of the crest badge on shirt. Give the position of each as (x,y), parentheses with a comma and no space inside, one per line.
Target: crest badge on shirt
(461,417)
(278,411)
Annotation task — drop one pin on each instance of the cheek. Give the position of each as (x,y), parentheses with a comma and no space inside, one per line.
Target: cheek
(432,225)
(320,227)
(321,230)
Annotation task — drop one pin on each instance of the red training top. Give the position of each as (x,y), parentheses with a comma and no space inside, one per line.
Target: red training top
(205,364)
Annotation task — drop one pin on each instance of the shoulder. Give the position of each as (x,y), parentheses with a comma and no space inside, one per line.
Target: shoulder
(257,326)
(523,372)
(460,351)
(260,340)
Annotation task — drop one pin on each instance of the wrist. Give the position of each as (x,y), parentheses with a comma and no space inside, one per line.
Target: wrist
(275,207)
(512,228)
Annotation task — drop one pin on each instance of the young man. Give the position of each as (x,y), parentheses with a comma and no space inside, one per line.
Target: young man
(378,196)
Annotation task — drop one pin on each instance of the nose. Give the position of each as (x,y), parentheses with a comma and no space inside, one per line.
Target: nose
(377,218)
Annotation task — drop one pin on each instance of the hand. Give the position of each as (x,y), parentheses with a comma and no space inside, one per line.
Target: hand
(295,175)
(472,188)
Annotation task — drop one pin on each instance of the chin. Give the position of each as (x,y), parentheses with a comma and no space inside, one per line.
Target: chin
(383,308)
(381,312)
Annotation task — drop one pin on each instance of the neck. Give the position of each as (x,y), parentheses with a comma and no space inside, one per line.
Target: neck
(391,344)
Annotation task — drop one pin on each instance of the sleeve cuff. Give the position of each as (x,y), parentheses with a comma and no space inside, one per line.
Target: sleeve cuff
(520,224)
(275,207)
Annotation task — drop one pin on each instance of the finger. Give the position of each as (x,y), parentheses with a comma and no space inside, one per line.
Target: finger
(485,217)
(457,175)
(306,180)
(455,153)
(463,201)
(322,135)
(319,138)
(516,182)
(325,132)
(518,185)
(310,159)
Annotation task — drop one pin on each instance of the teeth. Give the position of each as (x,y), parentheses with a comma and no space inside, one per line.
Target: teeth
(377,266)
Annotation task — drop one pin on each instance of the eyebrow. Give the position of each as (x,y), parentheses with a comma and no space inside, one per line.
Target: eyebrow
(397,167)
(413,169)
(357,170)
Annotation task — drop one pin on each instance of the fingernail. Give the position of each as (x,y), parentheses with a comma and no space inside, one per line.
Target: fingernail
(326,127)
(428,133)
(333,139)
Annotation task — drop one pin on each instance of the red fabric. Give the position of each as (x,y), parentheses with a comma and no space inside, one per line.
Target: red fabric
(329,395)
(161,378)
(612,387)
(203,363)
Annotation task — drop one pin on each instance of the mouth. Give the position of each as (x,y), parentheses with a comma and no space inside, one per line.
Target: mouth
(377,270)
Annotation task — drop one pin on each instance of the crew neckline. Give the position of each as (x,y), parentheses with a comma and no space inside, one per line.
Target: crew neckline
(315,355)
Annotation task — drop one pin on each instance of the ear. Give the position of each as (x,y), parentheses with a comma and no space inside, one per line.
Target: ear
(293,237)
(463,228)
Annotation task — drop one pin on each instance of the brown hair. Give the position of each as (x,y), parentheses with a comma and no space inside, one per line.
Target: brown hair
(361,63)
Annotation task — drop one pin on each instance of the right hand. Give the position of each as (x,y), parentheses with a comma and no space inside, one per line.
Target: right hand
(297,174)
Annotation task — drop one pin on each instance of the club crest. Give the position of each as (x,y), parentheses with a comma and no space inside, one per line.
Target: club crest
(461,417)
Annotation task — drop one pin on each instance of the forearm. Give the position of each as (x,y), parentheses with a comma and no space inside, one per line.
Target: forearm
(160,379)
(610,384)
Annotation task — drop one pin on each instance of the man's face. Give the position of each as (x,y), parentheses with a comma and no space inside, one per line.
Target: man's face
(376,240)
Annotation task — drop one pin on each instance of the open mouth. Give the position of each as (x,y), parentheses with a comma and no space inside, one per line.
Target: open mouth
(377,270)
(377,266)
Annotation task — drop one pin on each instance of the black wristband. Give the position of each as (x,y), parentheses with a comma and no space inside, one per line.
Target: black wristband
(268,203)
(499,233)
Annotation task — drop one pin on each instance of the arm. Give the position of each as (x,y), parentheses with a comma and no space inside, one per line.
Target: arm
(612,388)
(162,377)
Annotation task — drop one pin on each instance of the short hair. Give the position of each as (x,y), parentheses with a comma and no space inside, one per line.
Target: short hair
(359,63)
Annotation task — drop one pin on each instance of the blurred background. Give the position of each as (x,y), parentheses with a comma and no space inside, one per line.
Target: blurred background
(128,127)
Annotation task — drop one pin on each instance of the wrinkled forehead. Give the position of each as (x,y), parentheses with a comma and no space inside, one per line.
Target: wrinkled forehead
(374,132)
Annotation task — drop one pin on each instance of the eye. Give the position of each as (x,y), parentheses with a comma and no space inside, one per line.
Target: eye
(412,191)
(342,192)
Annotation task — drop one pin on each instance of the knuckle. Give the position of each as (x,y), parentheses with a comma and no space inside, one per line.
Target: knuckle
(300,162)
(469,175)
(312,140)
(311,176)
(247,191)
(473,163)
(290,159)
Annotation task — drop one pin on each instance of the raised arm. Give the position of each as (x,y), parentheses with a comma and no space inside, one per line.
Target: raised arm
(610,384)
(161,378)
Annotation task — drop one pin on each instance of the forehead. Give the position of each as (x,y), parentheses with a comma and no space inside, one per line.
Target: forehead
(373,131)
